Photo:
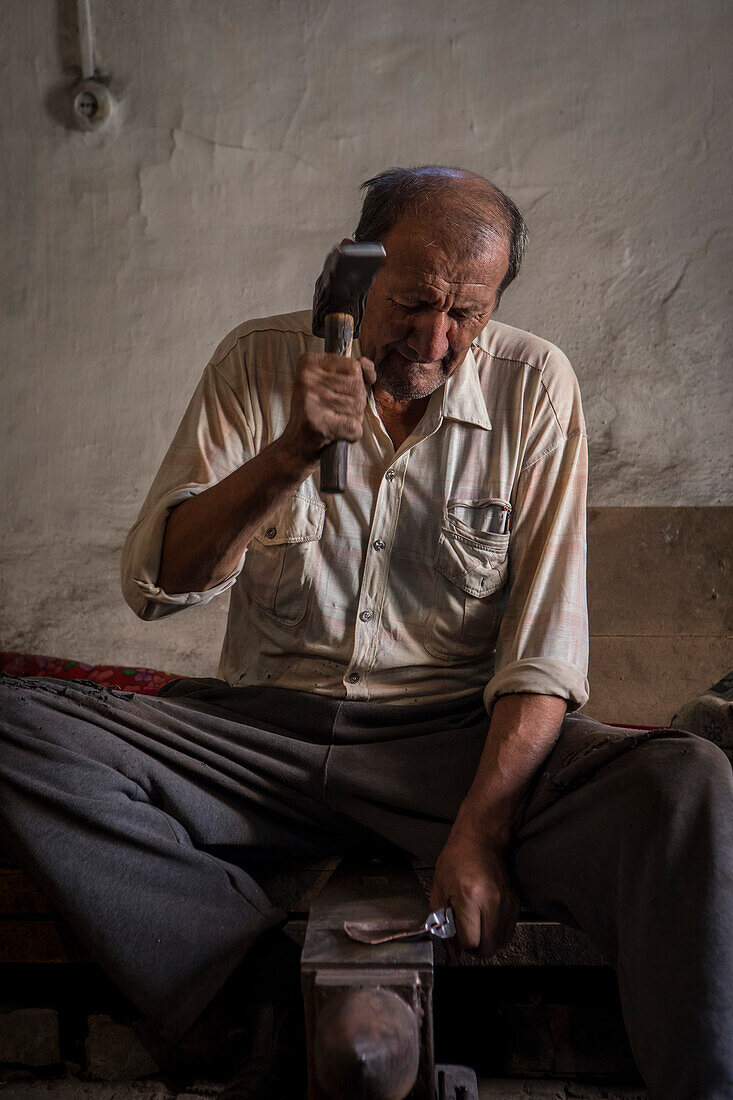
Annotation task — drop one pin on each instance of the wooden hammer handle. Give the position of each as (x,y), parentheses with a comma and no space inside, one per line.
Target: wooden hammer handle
(334,457)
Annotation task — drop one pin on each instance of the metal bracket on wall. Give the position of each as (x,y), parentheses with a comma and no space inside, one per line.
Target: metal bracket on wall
(93,103)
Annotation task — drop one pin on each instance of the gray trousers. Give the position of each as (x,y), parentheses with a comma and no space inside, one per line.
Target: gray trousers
(143,819)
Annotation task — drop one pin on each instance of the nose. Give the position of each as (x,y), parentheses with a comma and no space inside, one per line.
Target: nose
(429,336)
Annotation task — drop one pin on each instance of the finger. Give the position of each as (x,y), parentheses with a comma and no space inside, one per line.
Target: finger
(319,367)
(341,401)
(438,898)
(453,949)
(510,916)
(339,364)
(497,926)
(468,924)
(349,384)
(368,371)
(348,428)
(319,378)
(490,933)
(319,410)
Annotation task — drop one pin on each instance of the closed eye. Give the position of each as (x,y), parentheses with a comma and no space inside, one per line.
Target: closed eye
(456,314)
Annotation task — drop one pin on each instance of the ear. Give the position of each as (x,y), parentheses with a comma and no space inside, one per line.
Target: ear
(348,240)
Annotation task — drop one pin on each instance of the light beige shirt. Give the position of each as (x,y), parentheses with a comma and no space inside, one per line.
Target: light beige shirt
(454,565)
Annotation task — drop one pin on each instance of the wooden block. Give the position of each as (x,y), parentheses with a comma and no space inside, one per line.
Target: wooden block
(577,1040)
(538,943)
(660,571)
(644,681)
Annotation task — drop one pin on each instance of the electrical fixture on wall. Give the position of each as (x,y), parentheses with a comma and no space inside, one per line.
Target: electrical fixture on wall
(93,103)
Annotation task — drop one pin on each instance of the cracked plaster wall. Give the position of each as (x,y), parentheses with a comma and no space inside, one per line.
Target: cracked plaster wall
(248,126)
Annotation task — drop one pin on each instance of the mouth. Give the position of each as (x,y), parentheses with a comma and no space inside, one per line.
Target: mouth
(407,378)
(415,361)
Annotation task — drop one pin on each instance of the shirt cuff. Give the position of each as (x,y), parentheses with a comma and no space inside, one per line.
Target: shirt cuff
(141,565)
(539,676)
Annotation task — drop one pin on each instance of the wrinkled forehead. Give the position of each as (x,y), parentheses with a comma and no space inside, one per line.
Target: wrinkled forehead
(440,252)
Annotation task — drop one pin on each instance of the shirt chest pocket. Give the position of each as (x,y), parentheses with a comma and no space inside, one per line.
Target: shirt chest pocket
(282,559)
(471,568)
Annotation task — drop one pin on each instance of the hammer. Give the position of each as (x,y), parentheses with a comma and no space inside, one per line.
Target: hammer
(338,308)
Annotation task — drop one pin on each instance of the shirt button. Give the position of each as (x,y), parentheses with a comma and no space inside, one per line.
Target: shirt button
(390,475)
(378,544)
(271,532)
(365,616)
(353,677)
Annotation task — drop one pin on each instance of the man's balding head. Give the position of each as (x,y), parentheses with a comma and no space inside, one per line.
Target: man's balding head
(460,206)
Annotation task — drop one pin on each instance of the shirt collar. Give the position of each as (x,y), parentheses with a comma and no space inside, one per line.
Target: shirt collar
(462,395)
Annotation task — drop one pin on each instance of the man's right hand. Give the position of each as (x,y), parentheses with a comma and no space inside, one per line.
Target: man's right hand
(328,403)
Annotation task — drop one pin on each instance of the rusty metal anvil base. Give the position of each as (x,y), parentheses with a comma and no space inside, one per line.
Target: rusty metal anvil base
(368,1009)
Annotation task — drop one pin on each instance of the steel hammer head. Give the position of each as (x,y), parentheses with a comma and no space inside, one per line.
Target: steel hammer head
(344,283)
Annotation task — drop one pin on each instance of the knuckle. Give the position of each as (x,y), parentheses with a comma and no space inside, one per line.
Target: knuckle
(351,427)
(310,404)
(307,378)
(349,369)
(469,940)
(339,364)
(473,892)
(308,362)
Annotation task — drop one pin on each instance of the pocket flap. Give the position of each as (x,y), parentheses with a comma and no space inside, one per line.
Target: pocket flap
(477,565)
(300,519)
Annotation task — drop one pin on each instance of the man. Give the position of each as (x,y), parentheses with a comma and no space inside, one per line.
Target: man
(398,662)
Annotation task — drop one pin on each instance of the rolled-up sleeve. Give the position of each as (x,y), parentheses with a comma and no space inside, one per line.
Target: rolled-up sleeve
(542,645)
(213,439)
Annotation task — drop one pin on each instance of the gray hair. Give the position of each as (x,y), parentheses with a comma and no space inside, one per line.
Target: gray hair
(479,208)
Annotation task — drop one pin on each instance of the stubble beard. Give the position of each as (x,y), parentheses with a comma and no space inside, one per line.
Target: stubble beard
(404,380)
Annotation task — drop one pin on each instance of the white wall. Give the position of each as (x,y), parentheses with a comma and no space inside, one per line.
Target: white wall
(249,125)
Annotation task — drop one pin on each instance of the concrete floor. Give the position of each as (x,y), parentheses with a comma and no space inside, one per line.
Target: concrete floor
(15,1087)
(556,1090)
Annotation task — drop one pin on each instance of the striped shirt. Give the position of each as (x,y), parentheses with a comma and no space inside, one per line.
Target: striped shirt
(453,565)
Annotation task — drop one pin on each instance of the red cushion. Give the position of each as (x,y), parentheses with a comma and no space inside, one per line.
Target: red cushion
(144,681)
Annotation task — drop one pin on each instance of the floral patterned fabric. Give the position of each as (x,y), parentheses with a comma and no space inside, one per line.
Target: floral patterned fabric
(144,681)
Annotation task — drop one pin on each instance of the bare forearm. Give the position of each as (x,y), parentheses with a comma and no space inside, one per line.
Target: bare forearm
(206,535)
(471,873)
(523,730)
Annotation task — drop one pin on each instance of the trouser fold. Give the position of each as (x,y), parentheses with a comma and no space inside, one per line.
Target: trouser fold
(120,807)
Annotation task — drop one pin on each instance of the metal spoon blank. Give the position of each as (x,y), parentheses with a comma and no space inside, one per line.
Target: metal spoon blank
(439,924)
